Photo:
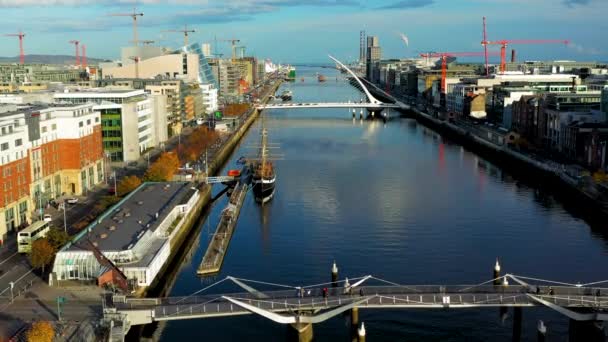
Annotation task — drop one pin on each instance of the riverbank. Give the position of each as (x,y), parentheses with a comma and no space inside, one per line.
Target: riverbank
(582,199)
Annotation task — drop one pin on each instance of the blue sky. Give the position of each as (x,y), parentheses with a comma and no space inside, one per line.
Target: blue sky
(307,30)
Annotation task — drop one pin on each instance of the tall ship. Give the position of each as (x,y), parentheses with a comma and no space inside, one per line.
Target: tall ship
(264,175)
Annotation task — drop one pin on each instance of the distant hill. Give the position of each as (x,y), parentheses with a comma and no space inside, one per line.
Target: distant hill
(49,59)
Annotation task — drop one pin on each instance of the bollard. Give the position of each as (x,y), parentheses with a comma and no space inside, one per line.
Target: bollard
(362,333)
(542,331)
(496,273)
(334,275)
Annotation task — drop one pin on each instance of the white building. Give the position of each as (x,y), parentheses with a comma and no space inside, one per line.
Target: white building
(129,120)
(210,101)
(135,235)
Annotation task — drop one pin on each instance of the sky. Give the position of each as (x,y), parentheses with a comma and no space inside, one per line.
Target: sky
(292,31)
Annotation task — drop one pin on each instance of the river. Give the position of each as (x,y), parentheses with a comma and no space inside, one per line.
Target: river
(393,200)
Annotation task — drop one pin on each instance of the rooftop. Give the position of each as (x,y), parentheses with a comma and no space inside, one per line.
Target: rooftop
(121,227)
(101,93)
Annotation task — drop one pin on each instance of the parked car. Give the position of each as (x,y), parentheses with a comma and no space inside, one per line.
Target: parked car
(47,218)
(72,200)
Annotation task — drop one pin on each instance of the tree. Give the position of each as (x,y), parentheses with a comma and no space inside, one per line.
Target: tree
(42,253)
(57,238)
(41,331)
(127,185)
(163,169)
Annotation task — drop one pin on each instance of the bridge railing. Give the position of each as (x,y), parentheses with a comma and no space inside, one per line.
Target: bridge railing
(464,293)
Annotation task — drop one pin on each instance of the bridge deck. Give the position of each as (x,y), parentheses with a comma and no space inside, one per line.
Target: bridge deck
(291,105)
(436,297)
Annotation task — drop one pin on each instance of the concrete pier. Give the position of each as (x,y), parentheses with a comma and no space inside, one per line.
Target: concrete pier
(214,256)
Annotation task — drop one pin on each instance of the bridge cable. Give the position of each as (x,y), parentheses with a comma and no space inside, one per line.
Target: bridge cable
(395,284)
(481,284)
(546,281)
(265,283)
(203,289)
(331,282)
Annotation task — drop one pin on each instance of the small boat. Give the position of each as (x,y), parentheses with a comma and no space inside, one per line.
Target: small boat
(321,78)
(287,95)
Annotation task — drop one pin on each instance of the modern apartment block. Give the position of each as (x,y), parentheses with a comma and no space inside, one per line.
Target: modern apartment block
(127,118)
(47,152)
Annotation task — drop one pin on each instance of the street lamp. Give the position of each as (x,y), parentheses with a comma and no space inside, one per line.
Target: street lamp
(65,224)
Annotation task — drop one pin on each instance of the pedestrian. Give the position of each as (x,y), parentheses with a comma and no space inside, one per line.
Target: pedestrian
(538,290)
(598,293)
(325,292)
(551,292)
(308,293)
(361,292)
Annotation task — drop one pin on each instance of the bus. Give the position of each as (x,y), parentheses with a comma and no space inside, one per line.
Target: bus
(30,234)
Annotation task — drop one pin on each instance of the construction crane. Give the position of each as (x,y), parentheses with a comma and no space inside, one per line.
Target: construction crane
(133,15)
(185,31)
(21,54)
(444,65)
(504,42)
(76,42)
(136,60)
(233,43)
(83,59)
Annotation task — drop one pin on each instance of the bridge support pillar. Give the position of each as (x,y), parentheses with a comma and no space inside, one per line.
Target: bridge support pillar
(354,324)
(304,332)
(517,315)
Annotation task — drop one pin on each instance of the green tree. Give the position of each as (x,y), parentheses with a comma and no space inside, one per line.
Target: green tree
(42,253)
(41,331)
(57,238)
(127,185)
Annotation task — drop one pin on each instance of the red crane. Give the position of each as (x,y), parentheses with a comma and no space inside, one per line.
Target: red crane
(84,56)
(504,42)
(21,54)
(444,64)
(76,42)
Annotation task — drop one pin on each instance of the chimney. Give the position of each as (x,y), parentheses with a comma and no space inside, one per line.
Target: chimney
(512,55)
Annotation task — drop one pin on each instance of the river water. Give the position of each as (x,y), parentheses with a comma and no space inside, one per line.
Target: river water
(393,200)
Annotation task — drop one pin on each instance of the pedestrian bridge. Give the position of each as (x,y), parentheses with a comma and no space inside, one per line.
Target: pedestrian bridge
(311,304)
(353,105)
(371,104)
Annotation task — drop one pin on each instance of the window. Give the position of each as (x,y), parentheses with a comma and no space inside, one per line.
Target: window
(4,146)
(18,142)
(54,127)
(88,122)
(96,119)
(80,124)
(43,129)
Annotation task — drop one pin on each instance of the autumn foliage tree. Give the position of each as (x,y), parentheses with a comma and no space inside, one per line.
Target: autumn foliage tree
(42,253)
(163,169)
(196,143)
(41,331)
(57,238)
(127,184)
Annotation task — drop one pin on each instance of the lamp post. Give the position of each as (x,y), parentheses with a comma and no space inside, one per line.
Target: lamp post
(65,222)
(115,189)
